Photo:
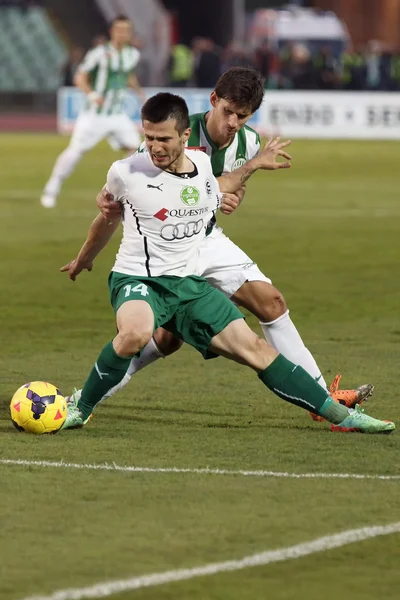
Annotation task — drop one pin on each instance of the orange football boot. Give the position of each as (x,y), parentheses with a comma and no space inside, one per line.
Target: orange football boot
(347,397)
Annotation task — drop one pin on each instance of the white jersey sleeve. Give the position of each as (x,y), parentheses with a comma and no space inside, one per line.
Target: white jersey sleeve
(253,144)
(134,58)
(116,184)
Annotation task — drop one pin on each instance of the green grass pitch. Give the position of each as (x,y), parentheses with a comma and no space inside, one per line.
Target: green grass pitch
(327,233)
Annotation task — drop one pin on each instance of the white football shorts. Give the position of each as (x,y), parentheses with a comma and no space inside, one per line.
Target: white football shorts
(224,265)
(91,128)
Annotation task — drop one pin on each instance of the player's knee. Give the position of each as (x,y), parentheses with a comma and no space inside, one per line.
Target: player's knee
(262,354)
(166,341)
(273,307)
(132,341)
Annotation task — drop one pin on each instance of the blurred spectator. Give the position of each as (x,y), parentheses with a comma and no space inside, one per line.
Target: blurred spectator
(395,71)
(180,65)
(298,69)
(235,55)
(69,68)
(327,69)
(373,65)
(207,63)
(352,70)
(378,67)
(267,62)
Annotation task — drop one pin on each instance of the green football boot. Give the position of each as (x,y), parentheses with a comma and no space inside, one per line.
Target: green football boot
(357,421)
(74,418)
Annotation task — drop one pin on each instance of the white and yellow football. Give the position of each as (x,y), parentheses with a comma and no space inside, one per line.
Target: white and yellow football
(38,407)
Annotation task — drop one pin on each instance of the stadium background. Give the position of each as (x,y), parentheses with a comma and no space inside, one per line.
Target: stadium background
(42,42)
(123,497)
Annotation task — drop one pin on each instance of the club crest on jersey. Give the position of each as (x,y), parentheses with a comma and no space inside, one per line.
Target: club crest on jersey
(208,188)
(239,162)
(190,195)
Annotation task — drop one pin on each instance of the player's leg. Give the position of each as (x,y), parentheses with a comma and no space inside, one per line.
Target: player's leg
(141,305)
(266,302)
(289,381)
(123,134)
(212,324)
(231,271)
(88,132)
(135,324)
(162,344)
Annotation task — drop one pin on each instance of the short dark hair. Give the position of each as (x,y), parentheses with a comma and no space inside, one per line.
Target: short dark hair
(165,106)
(242,86)
(119,18)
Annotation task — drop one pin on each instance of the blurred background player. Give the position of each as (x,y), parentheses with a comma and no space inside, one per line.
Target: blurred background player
(104,76)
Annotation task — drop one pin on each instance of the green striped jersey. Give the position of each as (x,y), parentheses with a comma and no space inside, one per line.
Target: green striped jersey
(244,146)
(109,70)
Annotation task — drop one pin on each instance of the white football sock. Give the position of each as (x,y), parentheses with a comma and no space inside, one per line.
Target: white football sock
(150,354)
(284,337)
(64,166)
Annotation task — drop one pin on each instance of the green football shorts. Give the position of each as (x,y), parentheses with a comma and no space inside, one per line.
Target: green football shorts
(188,307)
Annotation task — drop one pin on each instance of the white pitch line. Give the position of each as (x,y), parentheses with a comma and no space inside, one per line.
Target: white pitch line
(108,588)
(205,471)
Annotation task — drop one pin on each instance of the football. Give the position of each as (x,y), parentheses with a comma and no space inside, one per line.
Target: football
(38,407)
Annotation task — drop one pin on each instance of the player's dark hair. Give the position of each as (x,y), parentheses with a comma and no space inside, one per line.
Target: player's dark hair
(241,86)
(165,106)
(119,18)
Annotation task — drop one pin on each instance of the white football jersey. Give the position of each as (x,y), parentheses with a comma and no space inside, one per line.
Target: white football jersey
(165,216)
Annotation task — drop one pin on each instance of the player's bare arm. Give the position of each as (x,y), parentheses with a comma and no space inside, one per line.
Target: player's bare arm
(134,84)
(266,159)
(82,81)
(99,234)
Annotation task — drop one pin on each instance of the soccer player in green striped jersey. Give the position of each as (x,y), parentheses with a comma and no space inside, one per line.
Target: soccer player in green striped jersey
(104,76)
(244,145)
(223,134)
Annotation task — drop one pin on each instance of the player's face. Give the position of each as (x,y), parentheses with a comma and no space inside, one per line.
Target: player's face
(121,33)
(164,142)
(229,117)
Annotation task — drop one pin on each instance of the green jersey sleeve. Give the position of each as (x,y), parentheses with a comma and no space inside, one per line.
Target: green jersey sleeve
(195,124)
(91,60)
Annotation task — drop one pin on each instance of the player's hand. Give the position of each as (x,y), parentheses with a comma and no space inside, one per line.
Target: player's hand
(75,267)
(95,98)
(273,149)
(107,206)
(229,203)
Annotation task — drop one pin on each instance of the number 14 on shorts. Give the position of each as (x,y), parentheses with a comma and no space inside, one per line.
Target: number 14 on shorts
(140,288)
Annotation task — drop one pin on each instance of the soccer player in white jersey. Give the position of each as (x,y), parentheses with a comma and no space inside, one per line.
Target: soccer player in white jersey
(169,195)
(224,135)
(104,76)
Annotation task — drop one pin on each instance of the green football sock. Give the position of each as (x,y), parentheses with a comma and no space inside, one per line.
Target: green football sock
(293,384)
(109,370)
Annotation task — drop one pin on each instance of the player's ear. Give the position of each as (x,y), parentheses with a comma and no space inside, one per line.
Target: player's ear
(214,99)
(186,135)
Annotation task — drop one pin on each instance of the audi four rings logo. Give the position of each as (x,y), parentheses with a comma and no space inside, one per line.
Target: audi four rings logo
(180,231)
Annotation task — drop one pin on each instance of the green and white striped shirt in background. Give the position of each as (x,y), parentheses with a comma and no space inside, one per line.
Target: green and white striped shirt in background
(244,146)
(109,70)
